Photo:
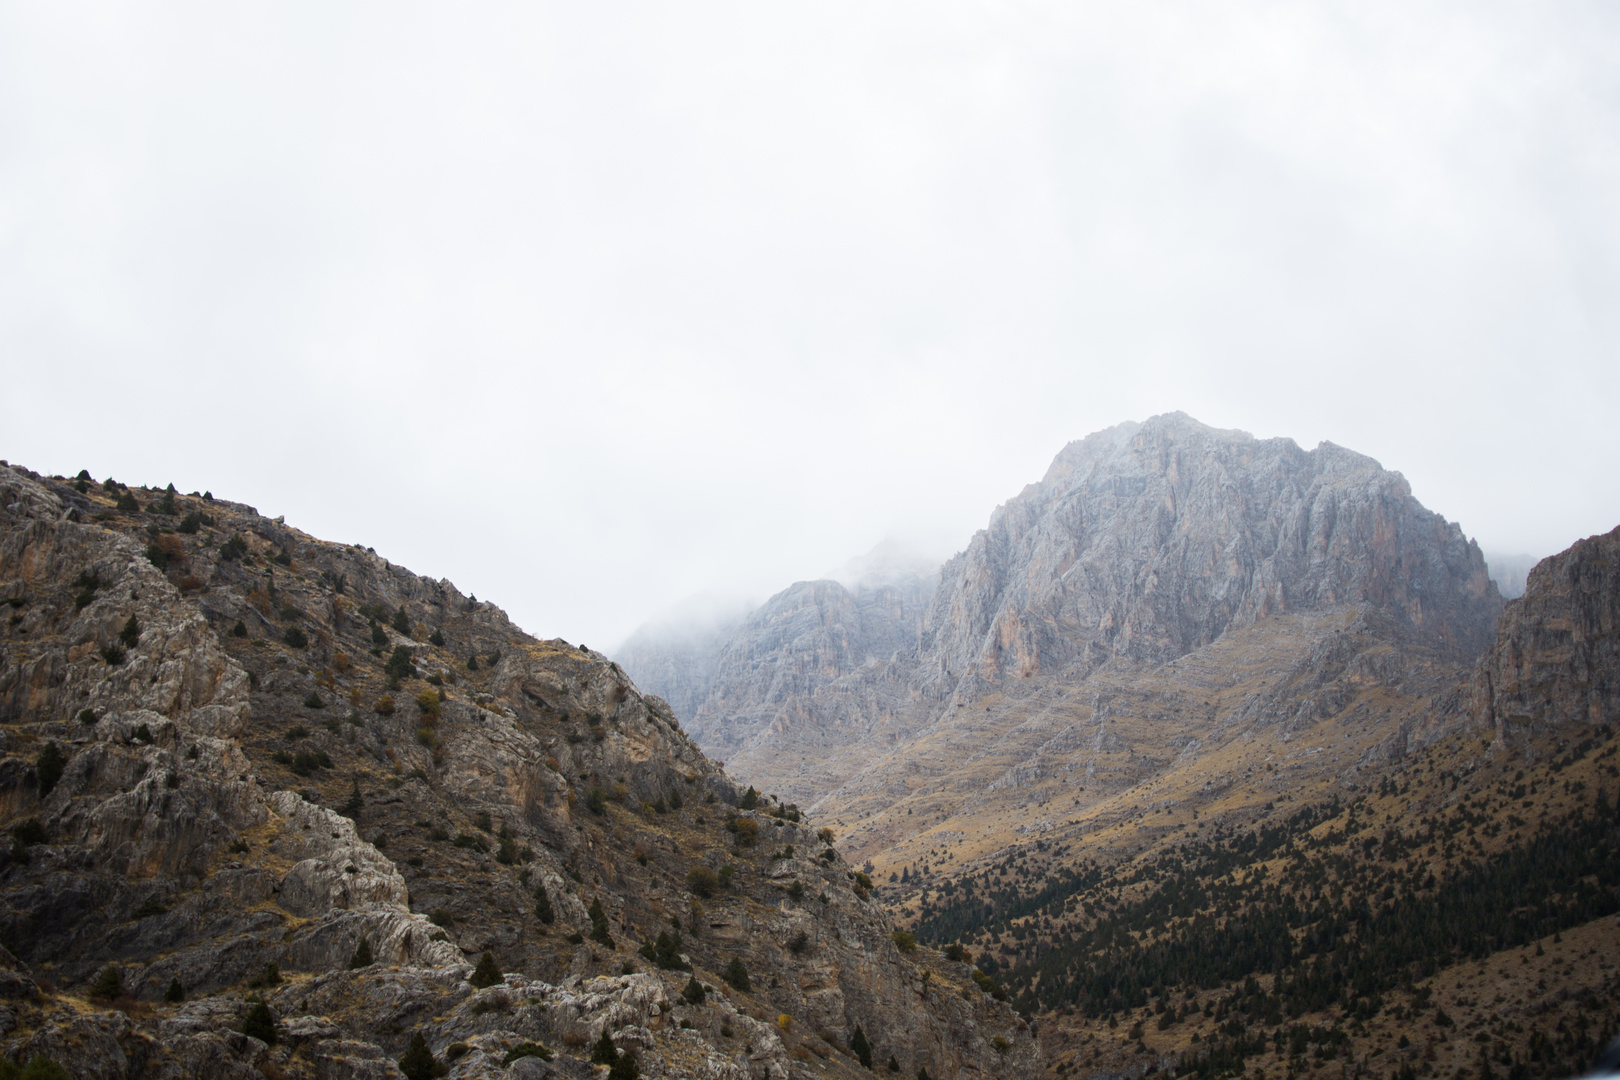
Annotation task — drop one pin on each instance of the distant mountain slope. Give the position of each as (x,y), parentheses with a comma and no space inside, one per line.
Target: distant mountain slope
(1142,545)
(278,808)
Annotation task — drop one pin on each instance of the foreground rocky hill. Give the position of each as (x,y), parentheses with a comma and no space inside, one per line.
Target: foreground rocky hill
(280,808)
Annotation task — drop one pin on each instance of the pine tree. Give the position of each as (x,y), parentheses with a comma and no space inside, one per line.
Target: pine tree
(625,1068)
(542,907)
(418,1063)
(736,973)
(355,803)
(175,993)
(402,621)
(750,799)
(599,926)
(604,1052)
(49,766)
(694,992)
(109,983)
(362,956)
(861,1048)
(486,973)
(130,635)
(260,1024)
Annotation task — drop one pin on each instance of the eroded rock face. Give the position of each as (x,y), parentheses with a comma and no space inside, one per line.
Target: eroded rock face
(225,745)
(1148,541)
(1556,661)
(1143,544)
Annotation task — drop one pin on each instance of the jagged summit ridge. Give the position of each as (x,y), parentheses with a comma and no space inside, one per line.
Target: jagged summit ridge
(1149,541)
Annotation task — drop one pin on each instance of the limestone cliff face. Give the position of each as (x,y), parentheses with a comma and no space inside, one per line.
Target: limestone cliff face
(803,639)
(1556,660)
(1142,544)
(1149,541)
(226,745)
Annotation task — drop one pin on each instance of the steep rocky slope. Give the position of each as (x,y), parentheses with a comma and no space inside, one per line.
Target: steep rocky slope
(272,799)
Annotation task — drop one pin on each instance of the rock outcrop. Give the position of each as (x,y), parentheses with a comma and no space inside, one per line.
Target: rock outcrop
(1556,661)
(317,798)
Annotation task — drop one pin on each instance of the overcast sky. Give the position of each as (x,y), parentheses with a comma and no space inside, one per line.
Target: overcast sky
(590,307)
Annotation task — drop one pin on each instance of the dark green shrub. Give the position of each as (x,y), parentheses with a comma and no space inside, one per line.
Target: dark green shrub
(402,621)
(175,993)
(436,638)
(233,549)
(108,984)
(523,1050)
(795,889)
(379,636)
(313,701)
(750,799)
(596,801)
(306,761)
(725,875)
(955,952)
(49,766)
(297,731)
(694,994)
(295,637)
(542,907)
(922,1073)
(151,907)
(190,523)
(472,663)
(240,629)
(418,1062)
(362,956)
(894,1064)
(486,973)
(736,973)
(702,881)
(799,943)
(399,664)
(114,654)
(604,1052)
(29,832)
(282,558)
(860,1047)
(87,716)
(39,1067)
(625,1068)
(483,821)
(130,635)
(166,504)
(127,504)
(666,951)
(904,940)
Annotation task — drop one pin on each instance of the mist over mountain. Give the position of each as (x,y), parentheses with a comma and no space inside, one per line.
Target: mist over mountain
(1509,572)
(1141,544)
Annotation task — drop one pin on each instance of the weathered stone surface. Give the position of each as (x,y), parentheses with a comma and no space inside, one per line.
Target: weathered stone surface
(1556,661)
(234,793)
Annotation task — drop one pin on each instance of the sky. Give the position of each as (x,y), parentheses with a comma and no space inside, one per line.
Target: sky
(593,308)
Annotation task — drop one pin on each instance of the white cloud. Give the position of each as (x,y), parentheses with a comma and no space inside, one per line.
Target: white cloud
(590,307)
